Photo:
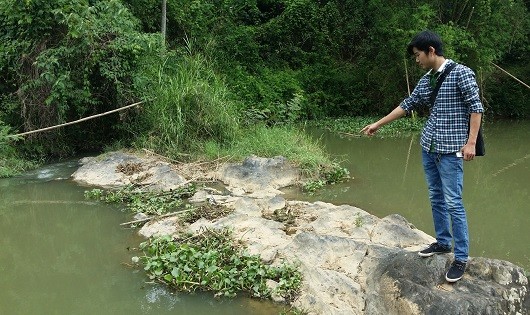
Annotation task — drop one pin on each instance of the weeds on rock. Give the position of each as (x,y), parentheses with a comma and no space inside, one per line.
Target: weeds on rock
(328,175)
(147,202)
(207,211)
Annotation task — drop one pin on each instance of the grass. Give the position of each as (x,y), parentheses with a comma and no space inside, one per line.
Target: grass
(192,116)
(189,105)
(287,141)
(11,163)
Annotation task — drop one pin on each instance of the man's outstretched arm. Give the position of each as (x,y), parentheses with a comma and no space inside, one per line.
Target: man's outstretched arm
(371,129)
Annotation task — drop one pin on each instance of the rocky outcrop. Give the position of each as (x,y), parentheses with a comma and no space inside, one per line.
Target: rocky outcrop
(352,262)
(117,169)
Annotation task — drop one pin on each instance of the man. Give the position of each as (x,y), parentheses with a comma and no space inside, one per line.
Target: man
(449,136)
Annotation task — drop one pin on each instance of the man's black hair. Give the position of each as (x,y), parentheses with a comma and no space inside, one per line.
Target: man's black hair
(422,41)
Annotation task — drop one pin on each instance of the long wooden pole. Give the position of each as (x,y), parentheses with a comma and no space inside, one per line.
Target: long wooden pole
(512,76)
(163,22)
(75,121)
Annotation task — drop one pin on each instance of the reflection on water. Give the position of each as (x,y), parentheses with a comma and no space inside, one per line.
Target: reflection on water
(62,254)
(388,178)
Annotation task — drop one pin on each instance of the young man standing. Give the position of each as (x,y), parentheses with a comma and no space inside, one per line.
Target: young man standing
(449,137)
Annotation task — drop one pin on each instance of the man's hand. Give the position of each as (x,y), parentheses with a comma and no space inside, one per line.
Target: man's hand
(468,152)
(370,130)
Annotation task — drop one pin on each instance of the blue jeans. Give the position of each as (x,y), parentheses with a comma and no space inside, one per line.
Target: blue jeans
(445,179)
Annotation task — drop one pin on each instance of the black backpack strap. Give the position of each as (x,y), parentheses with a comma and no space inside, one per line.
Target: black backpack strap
(440,80)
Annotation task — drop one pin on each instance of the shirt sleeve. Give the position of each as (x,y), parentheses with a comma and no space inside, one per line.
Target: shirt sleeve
(417,96)
(469,88)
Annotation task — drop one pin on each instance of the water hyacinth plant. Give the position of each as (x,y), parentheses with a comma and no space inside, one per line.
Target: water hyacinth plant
(213,261)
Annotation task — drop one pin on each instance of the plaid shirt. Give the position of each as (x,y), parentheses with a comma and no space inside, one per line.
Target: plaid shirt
(448,123)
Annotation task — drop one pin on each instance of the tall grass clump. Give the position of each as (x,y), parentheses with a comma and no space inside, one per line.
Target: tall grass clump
(285,140)
(11,162)
(188,105)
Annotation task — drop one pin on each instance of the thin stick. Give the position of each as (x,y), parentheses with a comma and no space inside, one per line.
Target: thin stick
(515,163)
(411,138)
(408,157)
(161,156)
(158,217)
(528,86)
(407,75)
(349,134)
(75,121)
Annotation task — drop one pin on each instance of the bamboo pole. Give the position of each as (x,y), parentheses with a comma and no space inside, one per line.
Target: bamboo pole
(158,217)
(512,76)
(407,75)
(74,122)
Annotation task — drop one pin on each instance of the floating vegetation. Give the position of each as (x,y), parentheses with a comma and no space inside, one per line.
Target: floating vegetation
(213,261)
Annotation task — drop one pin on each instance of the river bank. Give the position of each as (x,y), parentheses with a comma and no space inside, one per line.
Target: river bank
(352,261)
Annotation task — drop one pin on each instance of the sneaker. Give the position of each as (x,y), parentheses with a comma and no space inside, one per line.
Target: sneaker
(434,248)
(456,272)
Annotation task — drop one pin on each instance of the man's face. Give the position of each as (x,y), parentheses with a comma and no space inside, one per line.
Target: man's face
(424,60)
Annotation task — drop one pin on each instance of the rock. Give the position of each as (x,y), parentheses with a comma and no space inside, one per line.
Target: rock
(157,228)
(405,283)
(257,174)
(273,285)
(117,169)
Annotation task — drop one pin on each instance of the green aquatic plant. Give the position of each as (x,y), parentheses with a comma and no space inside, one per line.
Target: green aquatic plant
(214,261)
(147,202)
(327,175)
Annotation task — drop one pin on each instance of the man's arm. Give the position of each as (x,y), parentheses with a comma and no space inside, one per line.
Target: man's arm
(468,151)
(397,113)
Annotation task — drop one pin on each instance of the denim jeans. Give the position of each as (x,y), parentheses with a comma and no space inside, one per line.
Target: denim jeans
(445,179)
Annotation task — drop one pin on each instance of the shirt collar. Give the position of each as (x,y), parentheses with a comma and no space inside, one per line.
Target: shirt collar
(442,67)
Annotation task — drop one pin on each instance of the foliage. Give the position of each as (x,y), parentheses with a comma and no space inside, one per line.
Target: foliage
(147,202)
(213,261)
(66,59)
(189,105)
(11,163)
(288,141)
(344,57)
(327,175)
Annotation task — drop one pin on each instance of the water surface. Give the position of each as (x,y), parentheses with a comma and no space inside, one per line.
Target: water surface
(61,254)
(388,179)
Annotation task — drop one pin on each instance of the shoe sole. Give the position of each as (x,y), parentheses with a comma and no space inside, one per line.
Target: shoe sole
(431,254)
(452,280)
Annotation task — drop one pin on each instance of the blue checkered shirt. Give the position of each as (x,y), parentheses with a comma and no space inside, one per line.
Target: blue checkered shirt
(448,123)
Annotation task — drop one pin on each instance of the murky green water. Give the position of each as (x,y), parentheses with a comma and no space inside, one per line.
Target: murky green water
(388,178)
(61,254)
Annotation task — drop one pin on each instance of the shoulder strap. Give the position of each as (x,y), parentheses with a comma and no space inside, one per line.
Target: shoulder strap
(440,80)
